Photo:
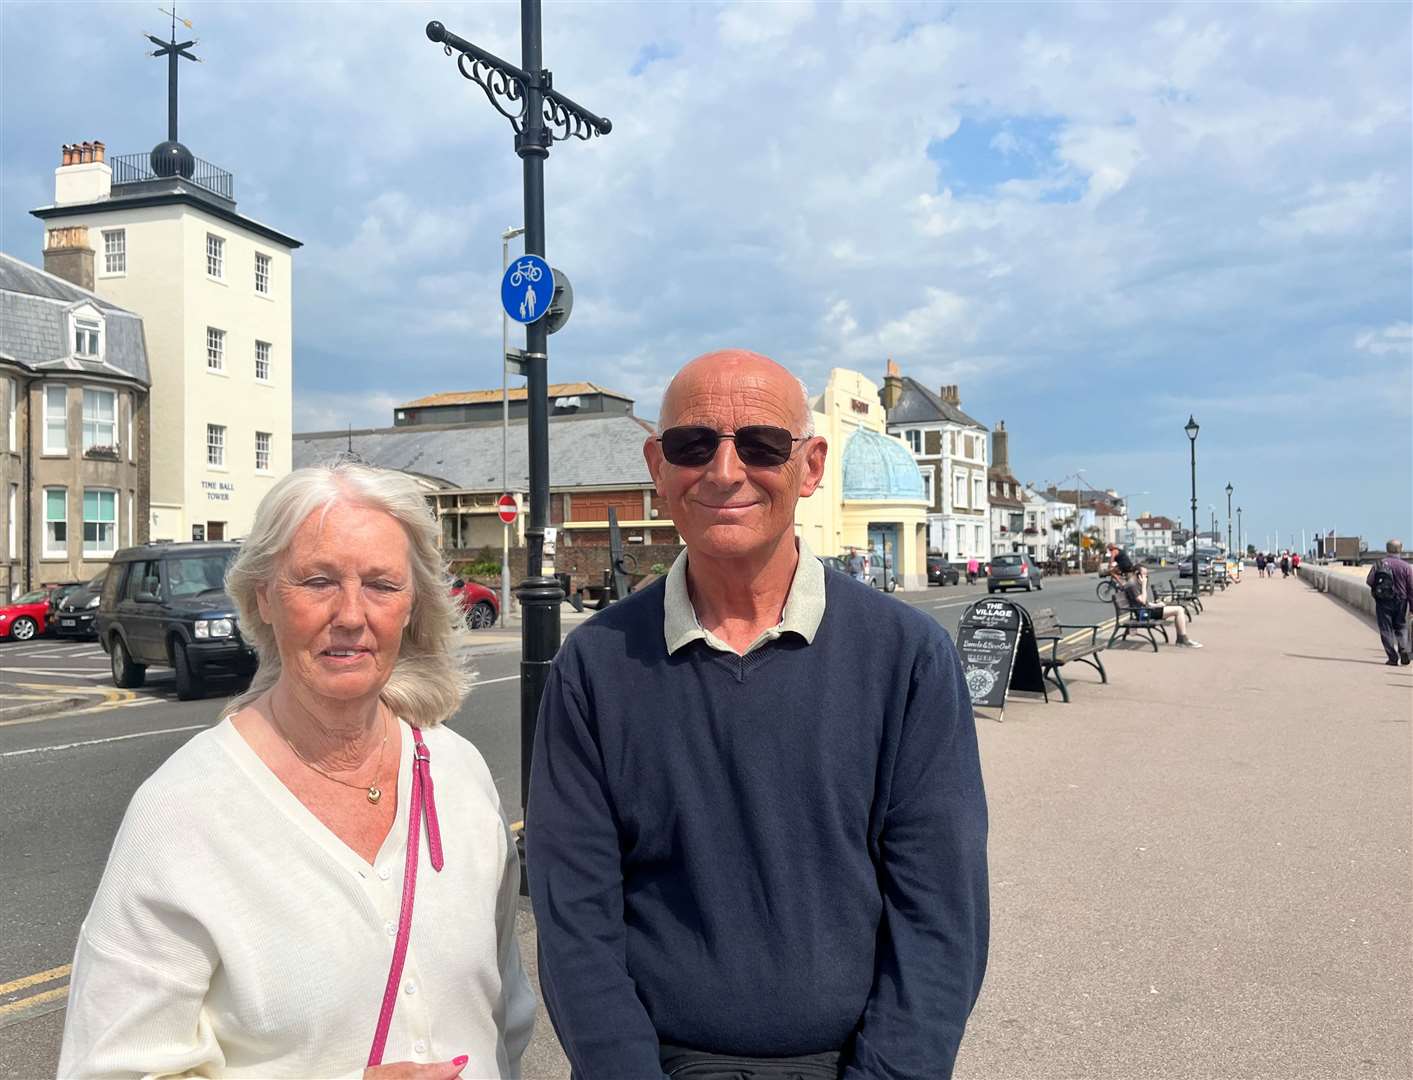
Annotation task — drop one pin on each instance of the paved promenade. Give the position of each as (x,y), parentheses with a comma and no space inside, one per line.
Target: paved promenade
(1202,869)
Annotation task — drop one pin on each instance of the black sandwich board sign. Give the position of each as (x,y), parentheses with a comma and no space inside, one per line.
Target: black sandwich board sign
(999,652)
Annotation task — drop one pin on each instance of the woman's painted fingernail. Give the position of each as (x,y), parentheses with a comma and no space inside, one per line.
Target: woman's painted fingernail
(462,1060)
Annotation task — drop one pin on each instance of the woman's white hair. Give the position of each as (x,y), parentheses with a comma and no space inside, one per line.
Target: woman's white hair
(426,685)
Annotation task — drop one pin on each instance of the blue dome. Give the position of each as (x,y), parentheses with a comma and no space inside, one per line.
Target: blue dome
(877,467)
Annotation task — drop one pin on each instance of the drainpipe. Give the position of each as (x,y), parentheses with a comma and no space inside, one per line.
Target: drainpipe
(29,486)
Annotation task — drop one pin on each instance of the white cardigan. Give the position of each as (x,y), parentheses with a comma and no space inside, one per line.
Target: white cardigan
(234,935)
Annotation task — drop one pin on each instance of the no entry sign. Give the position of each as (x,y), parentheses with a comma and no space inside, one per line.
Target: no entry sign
(508,509)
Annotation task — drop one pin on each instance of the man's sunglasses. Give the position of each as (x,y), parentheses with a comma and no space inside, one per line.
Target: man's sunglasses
(756,444)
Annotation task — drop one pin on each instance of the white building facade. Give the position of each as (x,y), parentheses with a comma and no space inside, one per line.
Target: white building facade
(951,452)
(214,290)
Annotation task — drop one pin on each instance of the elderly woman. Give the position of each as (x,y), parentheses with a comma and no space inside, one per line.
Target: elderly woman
(256,917)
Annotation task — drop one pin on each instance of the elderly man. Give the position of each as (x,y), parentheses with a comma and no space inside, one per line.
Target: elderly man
(757,831)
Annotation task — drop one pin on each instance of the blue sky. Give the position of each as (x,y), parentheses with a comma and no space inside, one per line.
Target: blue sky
(1094,219)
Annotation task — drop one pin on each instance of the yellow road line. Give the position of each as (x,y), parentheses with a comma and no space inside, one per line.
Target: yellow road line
(516,826)
(36,999)
(37,977)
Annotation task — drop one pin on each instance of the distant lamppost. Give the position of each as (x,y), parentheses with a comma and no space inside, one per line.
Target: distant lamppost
(1240,536)
(1191,427)
(1229,491)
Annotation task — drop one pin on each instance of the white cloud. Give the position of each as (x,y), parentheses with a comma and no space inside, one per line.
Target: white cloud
(1394,339)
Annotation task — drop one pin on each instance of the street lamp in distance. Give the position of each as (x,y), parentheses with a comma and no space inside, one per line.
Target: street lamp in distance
(1192,427)
(1230,489)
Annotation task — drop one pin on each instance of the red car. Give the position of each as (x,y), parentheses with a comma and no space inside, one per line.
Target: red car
(26,617)
(479,604)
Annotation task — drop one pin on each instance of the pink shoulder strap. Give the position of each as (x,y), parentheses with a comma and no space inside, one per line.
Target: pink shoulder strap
(422,799)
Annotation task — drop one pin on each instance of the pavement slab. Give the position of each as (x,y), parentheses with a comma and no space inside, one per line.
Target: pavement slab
(1202,868)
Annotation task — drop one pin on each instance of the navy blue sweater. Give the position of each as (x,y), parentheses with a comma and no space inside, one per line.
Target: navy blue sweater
(771,855)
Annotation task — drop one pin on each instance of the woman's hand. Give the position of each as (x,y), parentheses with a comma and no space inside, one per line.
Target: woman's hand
(410,1070)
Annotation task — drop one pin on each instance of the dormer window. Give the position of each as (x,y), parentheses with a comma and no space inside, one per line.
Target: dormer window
(86,335)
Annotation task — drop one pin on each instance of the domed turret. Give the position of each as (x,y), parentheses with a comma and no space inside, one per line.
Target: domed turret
(172,159)
(877,467)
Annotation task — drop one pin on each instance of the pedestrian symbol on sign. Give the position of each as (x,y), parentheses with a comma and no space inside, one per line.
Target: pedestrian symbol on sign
(526,288)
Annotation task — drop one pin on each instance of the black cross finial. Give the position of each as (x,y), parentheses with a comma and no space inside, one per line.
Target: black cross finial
(173,49)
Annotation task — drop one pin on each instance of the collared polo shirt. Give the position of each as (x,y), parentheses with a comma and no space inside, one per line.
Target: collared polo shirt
(802,614)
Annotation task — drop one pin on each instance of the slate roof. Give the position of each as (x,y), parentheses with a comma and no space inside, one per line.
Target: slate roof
(919,405)
(34,330)
(585,451)
(480,397)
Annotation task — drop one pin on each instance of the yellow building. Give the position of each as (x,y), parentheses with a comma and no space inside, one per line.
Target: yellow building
(872,495)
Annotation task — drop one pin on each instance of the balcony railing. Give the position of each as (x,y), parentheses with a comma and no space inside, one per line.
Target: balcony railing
(137,169)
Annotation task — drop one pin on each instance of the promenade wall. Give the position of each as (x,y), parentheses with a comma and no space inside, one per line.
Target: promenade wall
(1345,584)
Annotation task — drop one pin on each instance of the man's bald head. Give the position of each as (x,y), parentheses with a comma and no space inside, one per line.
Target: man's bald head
(734,373)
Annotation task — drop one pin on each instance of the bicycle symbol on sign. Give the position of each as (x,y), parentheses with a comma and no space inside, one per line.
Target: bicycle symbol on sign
(524,271)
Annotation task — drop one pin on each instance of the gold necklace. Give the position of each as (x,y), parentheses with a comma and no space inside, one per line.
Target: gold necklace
(373,791)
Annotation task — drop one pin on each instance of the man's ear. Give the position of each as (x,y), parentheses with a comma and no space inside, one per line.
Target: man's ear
(812,475)
(652,454)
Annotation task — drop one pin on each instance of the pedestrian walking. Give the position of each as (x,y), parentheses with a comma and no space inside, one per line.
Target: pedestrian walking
(1260,564)
(973,568)
(263,878)
(1390,580)
(1285,564)
(757,830)
(858,565)
(1295,563)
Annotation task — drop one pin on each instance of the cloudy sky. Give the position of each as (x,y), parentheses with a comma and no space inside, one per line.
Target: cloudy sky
(1095,219)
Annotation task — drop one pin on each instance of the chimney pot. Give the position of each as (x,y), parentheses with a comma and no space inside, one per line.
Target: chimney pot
(68,155)
(98,150)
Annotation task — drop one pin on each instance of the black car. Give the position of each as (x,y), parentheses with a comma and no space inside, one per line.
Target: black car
(75,613)
(941,572)
(166,604)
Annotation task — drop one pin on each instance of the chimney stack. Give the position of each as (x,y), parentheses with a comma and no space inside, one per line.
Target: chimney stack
(67,255)
(892,391)
(83,175)
(951,396)
(1000,453)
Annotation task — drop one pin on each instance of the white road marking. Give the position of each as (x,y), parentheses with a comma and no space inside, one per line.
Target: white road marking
(95,742)
(487,682)
(56,671)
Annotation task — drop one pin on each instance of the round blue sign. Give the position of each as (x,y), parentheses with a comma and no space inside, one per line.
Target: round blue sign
(527,288)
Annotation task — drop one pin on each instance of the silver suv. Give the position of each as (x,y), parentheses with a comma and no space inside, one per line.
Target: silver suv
(1015,571)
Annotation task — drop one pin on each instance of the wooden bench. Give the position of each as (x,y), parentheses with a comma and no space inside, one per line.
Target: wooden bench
(1056,651)
(1129,620)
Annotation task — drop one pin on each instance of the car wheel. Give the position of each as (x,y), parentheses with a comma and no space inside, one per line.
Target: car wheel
(1039,584)
(23,628)
(991,588)
(189,685)
(482,616)
(126,674)
(891,586)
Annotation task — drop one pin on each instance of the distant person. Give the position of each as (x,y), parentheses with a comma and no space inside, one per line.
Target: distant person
(1295,564)
(973,568)
(858,565)
(756,837)
(1285,565)
(1391,581)
(256,915)
(1260,564)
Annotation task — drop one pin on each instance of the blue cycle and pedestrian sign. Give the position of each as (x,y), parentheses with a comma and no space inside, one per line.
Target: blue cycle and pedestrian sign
(527,288)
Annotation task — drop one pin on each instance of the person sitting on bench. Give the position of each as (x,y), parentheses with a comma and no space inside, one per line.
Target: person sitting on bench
(1137,594)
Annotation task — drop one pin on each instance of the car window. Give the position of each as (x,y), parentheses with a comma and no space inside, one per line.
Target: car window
(142,578)
(1006,560)
(196,574)
(31,597)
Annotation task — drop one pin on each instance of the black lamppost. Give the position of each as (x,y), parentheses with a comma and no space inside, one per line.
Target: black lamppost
(1191,428)
(1240,536)
(540,116)
(1230,489)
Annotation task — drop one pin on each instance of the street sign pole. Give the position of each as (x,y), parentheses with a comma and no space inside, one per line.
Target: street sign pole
(540,115)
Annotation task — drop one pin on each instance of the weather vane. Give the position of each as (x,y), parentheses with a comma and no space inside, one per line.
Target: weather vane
(172,50)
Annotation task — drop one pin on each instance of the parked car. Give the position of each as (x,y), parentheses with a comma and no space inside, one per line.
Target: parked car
(880,573)
(1205,557)
(57,591)
(833,562)
(166,604)
(26,616)
(75,613)
(480,606)
(941,572)
(1015,571)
